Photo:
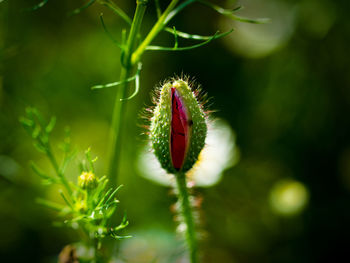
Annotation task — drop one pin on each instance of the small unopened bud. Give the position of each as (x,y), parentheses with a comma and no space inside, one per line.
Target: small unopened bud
(87,181)
(178,127)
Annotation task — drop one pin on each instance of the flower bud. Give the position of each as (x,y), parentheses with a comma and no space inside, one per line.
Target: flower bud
(87,181)
(178,127)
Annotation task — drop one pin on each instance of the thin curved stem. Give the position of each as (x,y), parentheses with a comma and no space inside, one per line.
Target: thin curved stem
(187,215)
(58,170)
(116,9)
(159,25)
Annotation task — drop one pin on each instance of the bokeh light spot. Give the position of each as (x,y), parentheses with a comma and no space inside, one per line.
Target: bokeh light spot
(288,197)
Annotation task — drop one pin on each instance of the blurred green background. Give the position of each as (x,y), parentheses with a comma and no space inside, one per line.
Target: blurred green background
(284,87)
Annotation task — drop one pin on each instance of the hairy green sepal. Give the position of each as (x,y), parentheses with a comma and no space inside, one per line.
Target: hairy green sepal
(160,130)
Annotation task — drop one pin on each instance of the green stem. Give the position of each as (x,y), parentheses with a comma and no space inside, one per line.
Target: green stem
(98,257)
(159,25)
(119,106)
(186,212)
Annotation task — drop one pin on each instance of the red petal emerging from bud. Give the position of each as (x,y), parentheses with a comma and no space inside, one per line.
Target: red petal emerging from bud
(179,130)
(178,127)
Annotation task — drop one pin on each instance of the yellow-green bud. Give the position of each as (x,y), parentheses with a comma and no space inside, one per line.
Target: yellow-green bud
(87,181)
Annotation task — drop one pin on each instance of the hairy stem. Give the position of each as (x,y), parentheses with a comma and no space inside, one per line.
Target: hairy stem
(119,106)
(187,215)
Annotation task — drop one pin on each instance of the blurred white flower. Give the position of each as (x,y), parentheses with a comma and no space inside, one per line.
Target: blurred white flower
(219,154)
